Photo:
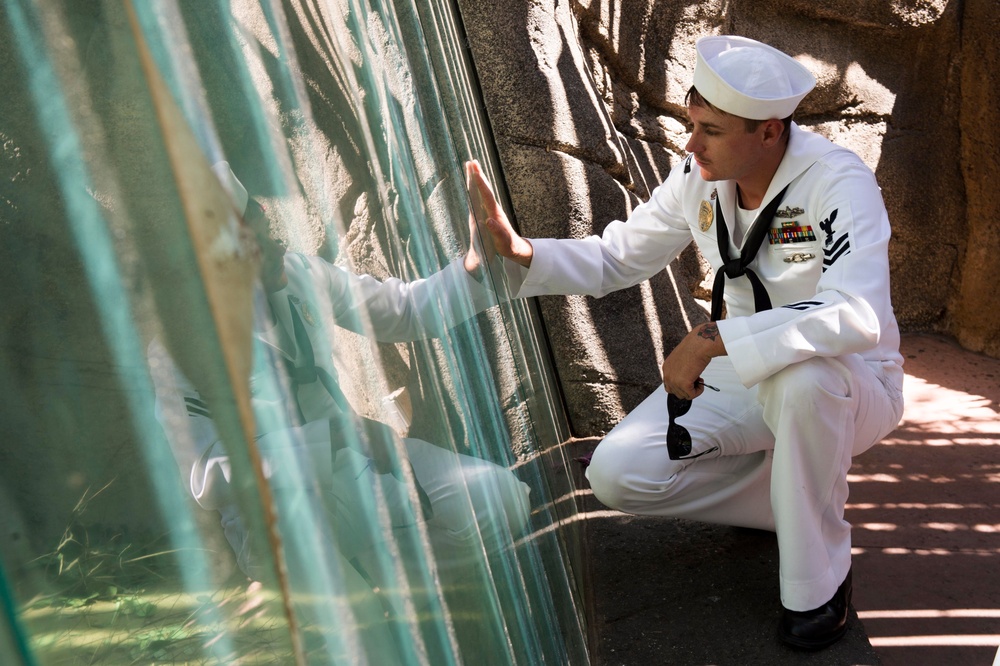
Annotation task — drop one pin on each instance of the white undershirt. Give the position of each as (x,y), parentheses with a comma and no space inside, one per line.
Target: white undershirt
(744,218)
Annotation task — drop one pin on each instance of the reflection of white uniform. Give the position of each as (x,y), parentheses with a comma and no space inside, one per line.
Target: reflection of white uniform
(805,385)
(474,502)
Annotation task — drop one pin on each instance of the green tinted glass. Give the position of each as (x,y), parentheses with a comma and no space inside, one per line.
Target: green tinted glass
(260,406)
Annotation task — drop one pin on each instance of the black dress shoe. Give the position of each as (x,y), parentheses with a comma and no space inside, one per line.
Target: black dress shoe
(820,627)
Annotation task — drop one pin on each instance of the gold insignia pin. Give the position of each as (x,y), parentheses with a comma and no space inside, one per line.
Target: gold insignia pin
(307,314)
(705,216)
(789,212)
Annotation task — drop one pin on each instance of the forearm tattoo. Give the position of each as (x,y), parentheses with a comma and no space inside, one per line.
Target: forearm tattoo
(710,332)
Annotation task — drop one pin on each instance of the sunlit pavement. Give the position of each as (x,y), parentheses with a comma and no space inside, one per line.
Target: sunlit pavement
(924,505)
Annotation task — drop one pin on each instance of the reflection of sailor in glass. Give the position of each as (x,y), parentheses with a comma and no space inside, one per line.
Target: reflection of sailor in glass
(308,433)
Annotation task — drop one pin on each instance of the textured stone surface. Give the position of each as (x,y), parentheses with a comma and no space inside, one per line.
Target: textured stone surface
(586,102)
(976,319)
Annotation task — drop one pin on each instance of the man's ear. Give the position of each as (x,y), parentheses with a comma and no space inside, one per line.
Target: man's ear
(771,131)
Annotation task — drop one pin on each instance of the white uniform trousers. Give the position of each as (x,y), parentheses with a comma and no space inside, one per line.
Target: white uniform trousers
(784,450)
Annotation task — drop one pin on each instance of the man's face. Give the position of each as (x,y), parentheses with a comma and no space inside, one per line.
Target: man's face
(722,147)
(272,265)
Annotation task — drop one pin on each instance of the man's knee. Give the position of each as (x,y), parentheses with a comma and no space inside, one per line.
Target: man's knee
(607,474)
(800,383)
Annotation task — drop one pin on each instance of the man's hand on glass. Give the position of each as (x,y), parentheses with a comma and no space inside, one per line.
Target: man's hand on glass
(484,207)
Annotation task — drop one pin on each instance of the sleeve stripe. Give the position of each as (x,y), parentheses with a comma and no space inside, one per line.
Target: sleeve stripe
(836,246)
(803,305)
(196,407)
(830,258)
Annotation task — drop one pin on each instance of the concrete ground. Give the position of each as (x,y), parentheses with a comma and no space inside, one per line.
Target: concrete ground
(924,505)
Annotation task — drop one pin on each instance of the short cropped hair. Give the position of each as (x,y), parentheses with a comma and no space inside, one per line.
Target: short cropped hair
(695,98)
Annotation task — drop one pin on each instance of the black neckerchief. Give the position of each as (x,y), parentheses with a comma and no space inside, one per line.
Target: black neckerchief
(734,268)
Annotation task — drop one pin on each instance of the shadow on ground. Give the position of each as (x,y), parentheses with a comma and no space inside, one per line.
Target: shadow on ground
(924,505)
(926,536)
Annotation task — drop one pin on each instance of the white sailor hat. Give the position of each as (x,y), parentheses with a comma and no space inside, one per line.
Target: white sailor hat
(237,193)
(749,79)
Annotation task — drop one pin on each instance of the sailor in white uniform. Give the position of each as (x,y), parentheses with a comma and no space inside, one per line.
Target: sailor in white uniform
(805,365)
(311,439)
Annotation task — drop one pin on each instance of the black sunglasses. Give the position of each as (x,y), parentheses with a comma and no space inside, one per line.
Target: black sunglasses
(678,437)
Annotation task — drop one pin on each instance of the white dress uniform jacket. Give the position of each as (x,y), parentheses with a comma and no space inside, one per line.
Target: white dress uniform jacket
(827,277)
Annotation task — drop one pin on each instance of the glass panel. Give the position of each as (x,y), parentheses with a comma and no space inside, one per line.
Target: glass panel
(260,405)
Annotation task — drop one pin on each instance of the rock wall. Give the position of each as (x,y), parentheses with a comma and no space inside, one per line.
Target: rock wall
(586,103)
(974,318)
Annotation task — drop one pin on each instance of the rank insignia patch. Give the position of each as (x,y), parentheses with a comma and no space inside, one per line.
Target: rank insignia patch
(705,215)
(790,232)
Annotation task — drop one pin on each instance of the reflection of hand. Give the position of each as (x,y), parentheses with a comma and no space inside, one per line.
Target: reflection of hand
(481,248)
(385,451)
(384,446)
(379,443)
(501,239)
